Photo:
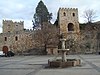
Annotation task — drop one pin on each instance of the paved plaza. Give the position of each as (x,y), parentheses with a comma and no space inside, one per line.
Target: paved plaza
(35,65)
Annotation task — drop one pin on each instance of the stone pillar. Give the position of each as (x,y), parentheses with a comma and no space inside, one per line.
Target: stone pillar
(63,56)
(63,44)
(63,50)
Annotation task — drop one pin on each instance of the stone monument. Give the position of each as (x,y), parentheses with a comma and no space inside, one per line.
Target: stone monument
(63,51)
(63,62)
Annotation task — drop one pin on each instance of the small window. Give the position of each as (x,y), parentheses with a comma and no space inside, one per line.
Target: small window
(16,38)
(16,25)
(58,52)
(5,38)
(73,14)
(8,24)
(64,14)
(9,31)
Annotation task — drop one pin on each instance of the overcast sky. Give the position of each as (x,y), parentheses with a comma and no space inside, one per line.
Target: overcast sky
(23,10)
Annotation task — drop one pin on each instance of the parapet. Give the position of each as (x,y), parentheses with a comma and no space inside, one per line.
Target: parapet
(21,22)
(66,9)
(10,21)
(6,21)
(28,30)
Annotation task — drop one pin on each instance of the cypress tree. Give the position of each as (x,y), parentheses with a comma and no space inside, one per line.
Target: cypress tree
(41,15)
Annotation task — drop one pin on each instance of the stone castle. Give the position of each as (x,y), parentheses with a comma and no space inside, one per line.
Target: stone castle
(17,39)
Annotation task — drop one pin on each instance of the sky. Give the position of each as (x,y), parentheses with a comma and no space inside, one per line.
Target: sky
(23,10)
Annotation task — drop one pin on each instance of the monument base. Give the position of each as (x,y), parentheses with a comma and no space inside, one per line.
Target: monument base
(58,63)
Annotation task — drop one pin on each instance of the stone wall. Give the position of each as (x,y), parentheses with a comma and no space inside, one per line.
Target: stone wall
(15,38)
(88,39)
(17,42)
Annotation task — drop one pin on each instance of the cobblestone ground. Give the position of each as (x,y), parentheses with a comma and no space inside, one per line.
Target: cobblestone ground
(35,65)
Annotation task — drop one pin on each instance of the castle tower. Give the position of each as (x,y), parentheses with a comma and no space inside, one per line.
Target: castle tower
(10,26)
(68,22)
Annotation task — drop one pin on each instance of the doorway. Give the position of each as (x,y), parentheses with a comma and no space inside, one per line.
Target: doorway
(5,49)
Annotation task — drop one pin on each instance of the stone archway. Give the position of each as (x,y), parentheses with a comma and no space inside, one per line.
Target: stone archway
(70,27)
(5,49)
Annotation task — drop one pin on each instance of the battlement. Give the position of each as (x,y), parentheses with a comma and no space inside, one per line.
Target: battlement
(66,9)
(10,21)
(28,30)
(11,26)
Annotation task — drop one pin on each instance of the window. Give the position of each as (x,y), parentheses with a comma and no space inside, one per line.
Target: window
(64,14)
(8,24)
(73,14)
(51,51)
(5,38)
(16,38)
(16,25)
(9,31)
(58,52)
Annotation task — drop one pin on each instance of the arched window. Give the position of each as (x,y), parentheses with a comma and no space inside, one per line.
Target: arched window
(73,14)
(70,27)
(64,14)
(5,38)
(16,38)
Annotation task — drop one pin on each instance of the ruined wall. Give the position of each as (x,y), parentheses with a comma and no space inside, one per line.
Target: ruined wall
(89,39)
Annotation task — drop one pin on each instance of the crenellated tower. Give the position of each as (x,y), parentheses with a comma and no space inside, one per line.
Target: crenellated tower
(68,22)
(10,26)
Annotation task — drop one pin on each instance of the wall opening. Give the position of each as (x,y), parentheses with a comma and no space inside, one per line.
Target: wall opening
(5,49)
(64,14)
(16,38)
(70,27)
(73,14)
(51,50)
(5,38)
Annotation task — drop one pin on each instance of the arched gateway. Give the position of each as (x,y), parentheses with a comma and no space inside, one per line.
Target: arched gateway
(5,49)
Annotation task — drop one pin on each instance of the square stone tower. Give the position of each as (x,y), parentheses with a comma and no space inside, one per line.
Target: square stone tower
(68,22)
(10,26)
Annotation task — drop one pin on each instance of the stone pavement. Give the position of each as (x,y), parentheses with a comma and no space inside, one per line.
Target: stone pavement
(35,65)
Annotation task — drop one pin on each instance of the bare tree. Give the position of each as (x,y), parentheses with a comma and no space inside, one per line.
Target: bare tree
(46,36)
(89,15)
